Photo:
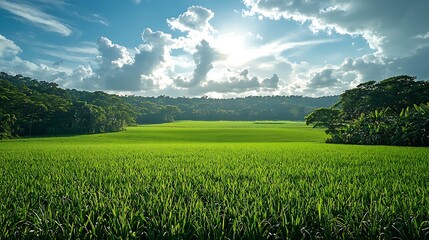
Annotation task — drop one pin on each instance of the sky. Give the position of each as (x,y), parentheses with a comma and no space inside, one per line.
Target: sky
(214,48)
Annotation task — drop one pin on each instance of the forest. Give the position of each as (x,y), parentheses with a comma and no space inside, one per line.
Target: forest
(29,107)
(394,111)
(252,108)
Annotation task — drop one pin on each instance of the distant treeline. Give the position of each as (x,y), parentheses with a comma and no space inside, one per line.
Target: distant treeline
(394,111)
(166,109)
(30,107)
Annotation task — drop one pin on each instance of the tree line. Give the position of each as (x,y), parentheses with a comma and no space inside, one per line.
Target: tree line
(29,107)
(252,108)
(394,111)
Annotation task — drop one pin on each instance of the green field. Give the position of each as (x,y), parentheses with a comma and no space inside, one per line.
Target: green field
(211,180)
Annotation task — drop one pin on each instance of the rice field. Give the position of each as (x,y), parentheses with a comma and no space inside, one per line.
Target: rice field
(211,180)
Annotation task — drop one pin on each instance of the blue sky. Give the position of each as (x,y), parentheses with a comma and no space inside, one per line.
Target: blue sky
(222,48)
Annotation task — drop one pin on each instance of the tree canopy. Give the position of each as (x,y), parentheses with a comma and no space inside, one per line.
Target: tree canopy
(30,107)
(394,111)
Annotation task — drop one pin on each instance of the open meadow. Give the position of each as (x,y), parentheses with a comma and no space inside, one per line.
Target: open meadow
(211,180)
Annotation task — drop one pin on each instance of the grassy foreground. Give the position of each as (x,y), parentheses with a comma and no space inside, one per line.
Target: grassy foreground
(211,180)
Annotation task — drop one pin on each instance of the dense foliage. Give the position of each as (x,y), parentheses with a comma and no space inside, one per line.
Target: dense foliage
(30,107)
(394,111)
(250,108)
(213,180)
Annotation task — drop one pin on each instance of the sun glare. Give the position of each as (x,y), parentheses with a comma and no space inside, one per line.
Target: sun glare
(233,47)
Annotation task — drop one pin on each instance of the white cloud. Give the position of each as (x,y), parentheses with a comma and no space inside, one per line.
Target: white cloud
(196,18)
(275,48)
(97,18)
(118,70)
(11,63)
(422,36)
(63,57)
(388,29)
(16,65)
(78,78)
(397,34)
(36,17)
(334,79)
(238,83)
(8,48)
(89,17)
(112,55)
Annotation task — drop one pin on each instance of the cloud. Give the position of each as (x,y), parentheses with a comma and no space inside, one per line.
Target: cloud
(36,17)
(390,30)
(11,63)
(112,55)
(189,65)
(92,18)
(423,36)
(275,48)
(203,58)
(396,34)
(196,19)
(237,83)
(97,18)
(334,79)
(57,64)
(195,69)
(15,65)
(118,70)
(271,82)
(70,57)
(8,48)
(78,78)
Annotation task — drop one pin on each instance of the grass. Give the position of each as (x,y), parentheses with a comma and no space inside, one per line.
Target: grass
(200,180)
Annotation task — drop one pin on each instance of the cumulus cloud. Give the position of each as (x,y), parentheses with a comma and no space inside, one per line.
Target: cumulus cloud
(238,83)
(78,78)
(203,58)
(331,81)
(112,55)
(36,17)
(8,48)
(118,70)
(334,79)
(196,18)
(271,82)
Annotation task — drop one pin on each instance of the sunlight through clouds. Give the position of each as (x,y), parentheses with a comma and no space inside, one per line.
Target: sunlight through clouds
(225,48)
